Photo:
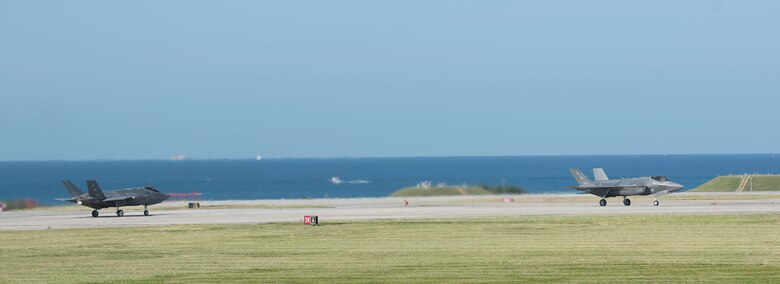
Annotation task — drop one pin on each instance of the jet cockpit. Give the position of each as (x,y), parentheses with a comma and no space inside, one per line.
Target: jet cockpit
(660,178)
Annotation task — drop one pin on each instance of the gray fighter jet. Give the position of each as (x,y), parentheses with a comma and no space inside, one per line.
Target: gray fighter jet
(605,187)
(98,199)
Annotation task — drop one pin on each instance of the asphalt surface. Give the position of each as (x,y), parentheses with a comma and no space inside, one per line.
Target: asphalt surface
(340,210)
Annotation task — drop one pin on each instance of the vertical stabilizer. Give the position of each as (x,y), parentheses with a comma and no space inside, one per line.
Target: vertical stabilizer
(74,191)
(599,174)
(580,177)
(94,189)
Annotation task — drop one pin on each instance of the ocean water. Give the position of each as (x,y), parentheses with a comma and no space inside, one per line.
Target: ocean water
(361,177)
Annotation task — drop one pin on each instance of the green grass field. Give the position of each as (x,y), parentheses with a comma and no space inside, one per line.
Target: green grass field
(765,183)
(657,248)
(730,184)
(719,184)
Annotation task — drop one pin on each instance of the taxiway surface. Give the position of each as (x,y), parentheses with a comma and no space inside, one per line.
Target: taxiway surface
(381,208)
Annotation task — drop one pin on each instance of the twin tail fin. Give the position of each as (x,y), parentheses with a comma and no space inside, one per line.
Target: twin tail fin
(94,189)
(580,177)
(74,191)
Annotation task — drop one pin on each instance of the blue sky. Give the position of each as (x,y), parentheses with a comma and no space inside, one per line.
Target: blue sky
(234,79)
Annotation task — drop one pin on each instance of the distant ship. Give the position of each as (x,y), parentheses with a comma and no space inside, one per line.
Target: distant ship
(337,180)
(178,157)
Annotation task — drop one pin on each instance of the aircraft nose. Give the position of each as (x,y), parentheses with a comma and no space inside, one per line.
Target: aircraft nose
(675,187)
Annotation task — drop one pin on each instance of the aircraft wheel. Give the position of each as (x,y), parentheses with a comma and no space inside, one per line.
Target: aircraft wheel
(627,202)
(146,212)
(120,213)
(655,203)
(603,202)
(94,213)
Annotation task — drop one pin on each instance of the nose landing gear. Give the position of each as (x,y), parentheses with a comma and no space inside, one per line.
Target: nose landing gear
(603,202)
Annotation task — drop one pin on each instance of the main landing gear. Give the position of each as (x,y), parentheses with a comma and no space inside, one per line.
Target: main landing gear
(119,212)
(626,202)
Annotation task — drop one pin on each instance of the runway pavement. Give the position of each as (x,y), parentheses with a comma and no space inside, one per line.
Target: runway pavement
(387,208)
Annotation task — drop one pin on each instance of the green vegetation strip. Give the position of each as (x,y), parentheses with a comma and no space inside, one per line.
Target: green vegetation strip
(764,183)
(731,183)
(720,184)
(604,249)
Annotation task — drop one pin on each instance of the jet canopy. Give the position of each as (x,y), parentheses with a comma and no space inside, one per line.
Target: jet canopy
(660,178)
(151,188)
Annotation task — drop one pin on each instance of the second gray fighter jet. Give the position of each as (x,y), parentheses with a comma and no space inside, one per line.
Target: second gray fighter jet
(604,187)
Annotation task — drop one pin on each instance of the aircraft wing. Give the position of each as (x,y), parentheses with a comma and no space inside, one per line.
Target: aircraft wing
(73,199)
(603,190)
(597,188)
(118,198)
(657,194)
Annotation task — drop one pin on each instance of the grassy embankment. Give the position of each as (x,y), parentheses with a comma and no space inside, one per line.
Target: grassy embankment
(731,183)
(457,190)
(601,249)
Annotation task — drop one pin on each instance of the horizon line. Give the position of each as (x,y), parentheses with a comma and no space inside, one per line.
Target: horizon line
(378,157)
